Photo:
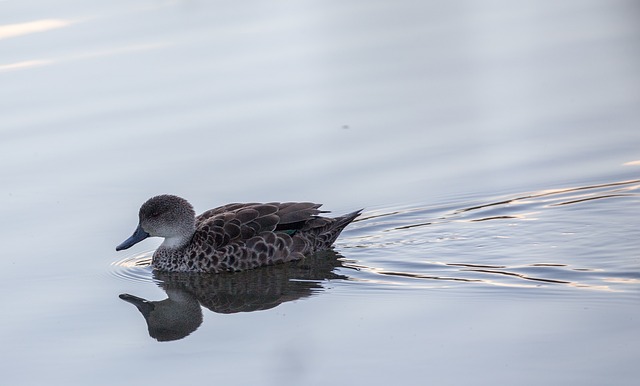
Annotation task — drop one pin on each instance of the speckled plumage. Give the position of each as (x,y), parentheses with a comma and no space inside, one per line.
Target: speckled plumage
(234,237)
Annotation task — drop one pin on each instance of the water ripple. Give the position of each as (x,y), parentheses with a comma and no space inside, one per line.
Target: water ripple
(538,240)
(134,268)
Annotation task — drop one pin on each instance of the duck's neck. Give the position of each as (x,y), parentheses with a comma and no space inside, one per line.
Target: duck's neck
(174,243)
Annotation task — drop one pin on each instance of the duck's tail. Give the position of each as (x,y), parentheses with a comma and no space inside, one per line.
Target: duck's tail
(345,220)
(339,223)
(320,233)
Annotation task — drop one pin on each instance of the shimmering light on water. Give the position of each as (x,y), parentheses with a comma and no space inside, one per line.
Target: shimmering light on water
(14,30)
(23,65)
(493,146)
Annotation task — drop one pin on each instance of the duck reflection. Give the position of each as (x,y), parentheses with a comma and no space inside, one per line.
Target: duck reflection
(227,293)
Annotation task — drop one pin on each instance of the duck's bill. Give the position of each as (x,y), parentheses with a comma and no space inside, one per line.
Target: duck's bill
(143,305)
(137,237)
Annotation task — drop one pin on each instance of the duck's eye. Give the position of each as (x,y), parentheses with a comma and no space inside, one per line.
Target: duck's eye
(155,214)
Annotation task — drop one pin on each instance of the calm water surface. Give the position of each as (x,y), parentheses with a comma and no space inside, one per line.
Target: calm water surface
(495,148)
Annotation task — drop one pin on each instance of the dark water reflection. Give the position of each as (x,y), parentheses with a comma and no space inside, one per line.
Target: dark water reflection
(260,289)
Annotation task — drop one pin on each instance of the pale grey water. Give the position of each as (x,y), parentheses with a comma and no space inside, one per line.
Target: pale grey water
(495,147)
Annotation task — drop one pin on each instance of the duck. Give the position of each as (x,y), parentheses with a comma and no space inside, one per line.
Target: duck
(233,237)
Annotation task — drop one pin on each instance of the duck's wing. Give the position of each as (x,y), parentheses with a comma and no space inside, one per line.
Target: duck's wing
(221,210)
(236,222)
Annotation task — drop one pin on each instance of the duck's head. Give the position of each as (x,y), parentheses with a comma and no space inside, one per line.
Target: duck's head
(165,216)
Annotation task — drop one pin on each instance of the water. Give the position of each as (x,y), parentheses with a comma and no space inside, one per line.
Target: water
(494,147)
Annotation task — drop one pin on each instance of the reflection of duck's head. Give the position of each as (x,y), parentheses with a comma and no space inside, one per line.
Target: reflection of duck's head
(170,319)
(228,293)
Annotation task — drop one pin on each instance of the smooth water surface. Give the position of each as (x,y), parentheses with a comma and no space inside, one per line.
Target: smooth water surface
(494,146)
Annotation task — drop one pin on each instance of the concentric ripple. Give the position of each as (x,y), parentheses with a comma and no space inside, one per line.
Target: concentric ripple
(135,268)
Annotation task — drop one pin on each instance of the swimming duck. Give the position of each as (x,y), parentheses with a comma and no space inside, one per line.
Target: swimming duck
(233,237)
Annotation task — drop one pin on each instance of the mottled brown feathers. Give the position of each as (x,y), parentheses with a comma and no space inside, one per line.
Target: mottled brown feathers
(236,237)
